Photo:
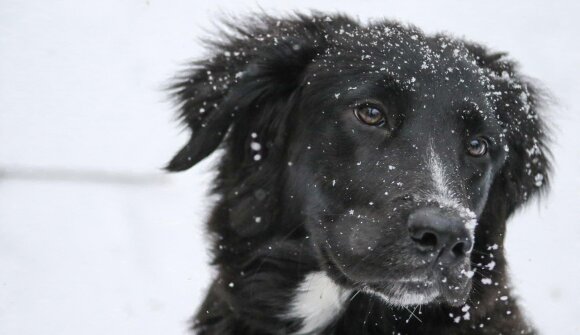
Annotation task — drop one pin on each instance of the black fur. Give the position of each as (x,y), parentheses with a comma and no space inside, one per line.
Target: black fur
(321,187)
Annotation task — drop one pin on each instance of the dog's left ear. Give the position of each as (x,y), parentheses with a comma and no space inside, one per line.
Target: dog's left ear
(252,68)
(519,106)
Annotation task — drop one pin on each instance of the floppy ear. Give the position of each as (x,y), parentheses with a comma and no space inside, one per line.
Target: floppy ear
(518,106)
(251,66)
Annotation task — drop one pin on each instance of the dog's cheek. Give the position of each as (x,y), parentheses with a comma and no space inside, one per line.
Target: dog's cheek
(478,184)
(362,240)
(364,246)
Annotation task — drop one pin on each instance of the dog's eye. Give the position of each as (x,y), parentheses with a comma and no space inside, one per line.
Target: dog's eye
(478,147)
(370,114)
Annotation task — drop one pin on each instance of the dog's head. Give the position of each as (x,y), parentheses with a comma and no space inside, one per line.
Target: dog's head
(392,148)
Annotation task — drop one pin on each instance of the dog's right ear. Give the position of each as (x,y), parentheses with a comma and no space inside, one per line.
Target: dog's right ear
(518,105)
(260,62)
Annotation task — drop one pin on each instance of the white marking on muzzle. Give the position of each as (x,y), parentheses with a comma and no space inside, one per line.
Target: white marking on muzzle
(444,195)
(318,302)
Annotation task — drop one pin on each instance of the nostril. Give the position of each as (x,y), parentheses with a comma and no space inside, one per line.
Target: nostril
(462,248)
(427,240)
(459,249)
(433,230)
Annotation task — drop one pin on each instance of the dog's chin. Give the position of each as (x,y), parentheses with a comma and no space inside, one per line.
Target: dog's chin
(404,293)
(434,288)
(420,292)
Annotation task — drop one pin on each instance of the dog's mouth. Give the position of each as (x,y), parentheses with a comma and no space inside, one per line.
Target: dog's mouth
(413,291)
(404,292)
(432,286)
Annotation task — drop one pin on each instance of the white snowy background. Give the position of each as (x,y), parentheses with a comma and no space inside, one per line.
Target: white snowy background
(96,239)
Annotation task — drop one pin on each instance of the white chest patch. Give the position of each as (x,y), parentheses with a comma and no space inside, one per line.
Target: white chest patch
(318,301)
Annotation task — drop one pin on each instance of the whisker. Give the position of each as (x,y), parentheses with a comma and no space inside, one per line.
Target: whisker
(412,314)
(354,295)
(369,312)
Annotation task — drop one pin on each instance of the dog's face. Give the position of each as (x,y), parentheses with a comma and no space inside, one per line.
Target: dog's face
(384,143)
(395,157)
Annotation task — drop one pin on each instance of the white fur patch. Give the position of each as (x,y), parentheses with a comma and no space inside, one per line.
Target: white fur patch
(444,195)
(318,302)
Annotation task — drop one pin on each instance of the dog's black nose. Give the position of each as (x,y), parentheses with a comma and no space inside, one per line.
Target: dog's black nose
(432,230)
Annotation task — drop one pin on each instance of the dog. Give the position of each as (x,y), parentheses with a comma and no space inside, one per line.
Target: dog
(367,175)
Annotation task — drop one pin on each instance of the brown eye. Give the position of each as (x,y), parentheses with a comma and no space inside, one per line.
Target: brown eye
(478,147)
(370,114)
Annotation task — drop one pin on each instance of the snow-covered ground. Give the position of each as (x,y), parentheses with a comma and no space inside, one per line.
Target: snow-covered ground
(80,89)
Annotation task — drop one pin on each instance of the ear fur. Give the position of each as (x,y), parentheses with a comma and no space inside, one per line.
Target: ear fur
(252,66)
(518,104)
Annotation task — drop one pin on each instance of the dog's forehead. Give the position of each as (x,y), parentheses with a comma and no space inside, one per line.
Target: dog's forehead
(437,70)
(407,56)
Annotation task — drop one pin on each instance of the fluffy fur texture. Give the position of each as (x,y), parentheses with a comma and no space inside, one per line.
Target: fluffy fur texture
(313,231)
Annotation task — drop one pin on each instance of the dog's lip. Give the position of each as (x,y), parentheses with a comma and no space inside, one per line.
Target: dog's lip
(412,283)
(436,290)
(406,292)
(421,276)
(436,283)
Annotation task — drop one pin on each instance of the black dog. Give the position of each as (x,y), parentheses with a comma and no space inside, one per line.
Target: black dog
(367,177)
